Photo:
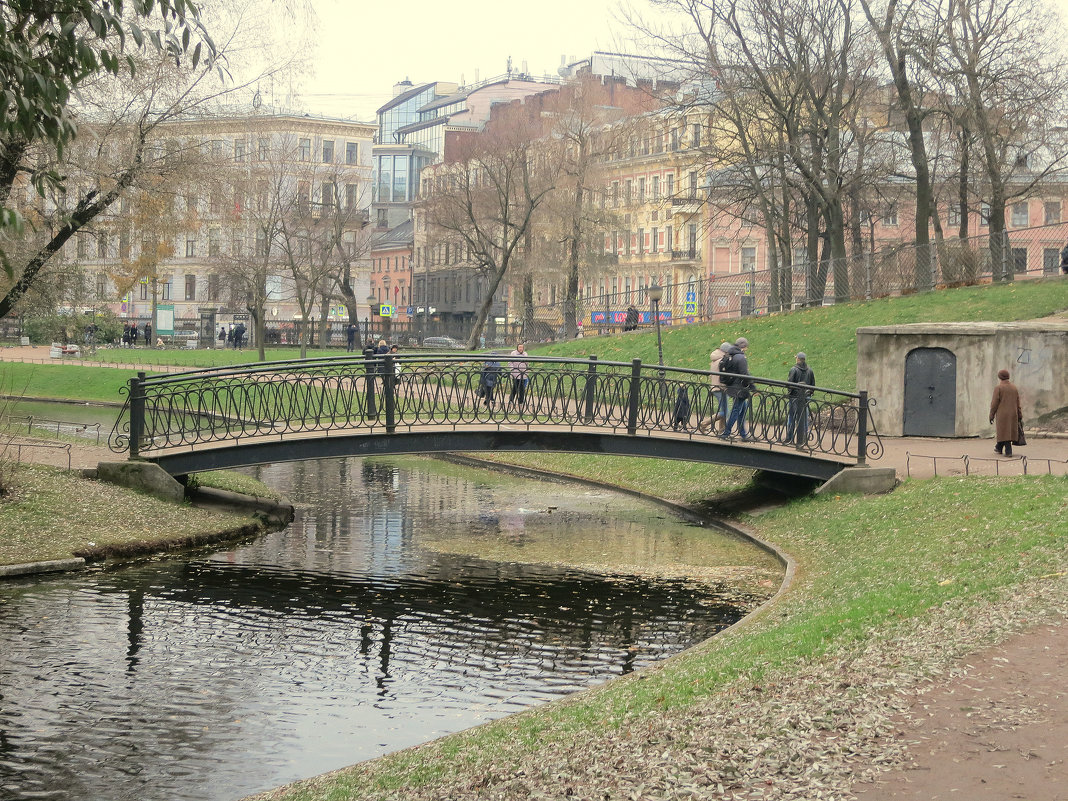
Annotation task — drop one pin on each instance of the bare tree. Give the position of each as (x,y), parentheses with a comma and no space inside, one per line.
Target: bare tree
(487,192)
(1008,76)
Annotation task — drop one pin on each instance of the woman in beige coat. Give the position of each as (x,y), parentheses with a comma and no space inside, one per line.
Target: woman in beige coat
(1005,413)
(717,416)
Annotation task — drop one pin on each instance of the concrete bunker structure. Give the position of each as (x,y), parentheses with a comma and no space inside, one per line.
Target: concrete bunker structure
(936,379)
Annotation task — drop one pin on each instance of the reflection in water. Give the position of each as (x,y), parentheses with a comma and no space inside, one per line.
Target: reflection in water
(364,627)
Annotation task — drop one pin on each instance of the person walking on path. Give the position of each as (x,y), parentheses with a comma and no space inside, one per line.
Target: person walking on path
(797,412)
(736,379)
(1005,414)
(518,369)
(717,414)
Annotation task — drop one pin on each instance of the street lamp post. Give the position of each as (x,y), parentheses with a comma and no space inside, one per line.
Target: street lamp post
(371,300)
(655,293)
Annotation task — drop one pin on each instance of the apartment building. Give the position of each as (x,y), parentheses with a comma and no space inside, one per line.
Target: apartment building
(252,196)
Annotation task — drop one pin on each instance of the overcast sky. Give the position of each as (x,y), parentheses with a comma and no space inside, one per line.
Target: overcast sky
(364,48)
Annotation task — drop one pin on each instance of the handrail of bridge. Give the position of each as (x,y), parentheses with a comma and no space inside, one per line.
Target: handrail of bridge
(353,394)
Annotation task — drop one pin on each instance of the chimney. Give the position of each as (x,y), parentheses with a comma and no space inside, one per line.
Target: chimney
(401,87)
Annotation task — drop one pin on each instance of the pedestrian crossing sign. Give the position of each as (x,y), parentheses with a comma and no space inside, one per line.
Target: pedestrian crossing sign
(386,310)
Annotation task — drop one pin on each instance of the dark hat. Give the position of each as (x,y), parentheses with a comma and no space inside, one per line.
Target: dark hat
(1003,375)
(801,356)
(742,342)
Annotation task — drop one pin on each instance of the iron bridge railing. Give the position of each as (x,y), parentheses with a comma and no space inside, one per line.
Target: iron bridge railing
(410,393)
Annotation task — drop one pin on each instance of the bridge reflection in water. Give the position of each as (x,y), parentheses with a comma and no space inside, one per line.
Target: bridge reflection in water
(316,408)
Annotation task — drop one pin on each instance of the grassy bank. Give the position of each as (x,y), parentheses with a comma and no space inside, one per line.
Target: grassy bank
(887,590)
(826,334)
(51,514)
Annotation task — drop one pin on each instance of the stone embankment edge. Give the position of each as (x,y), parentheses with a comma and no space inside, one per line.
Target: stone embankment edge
(687,512)
(269,513)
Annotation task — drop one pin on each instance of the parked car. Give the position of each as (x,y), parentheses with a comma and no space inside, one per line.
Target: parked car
(443,343)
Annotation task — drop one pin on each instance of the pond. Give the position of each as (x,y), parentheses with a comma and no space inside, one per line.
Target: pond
(408,599)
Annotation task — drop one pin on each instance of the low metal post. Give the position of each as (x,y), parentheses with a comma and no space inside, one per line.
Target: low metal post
(591,388)
(137,413)
(862,429)
(635,394)
(389,378)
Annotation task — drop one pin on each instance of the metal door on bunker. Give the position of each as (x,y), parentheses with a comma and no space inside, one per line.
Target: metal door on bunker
(930,393)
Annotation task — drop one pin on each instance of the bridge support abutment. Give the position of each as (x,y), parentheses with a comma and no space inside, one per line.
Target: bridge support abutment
(142,476)
(861,480)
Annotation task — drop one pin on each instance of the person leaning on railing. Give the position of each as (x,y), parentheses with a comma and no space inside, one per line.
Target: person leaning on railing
(797,412)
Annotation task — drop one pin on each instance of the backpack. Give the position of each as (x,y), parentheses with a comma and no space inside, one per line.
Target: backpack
(726,366)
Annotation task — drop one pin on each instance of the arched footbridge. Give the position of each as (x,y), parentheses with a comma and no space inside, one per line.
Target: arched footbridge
(322,408)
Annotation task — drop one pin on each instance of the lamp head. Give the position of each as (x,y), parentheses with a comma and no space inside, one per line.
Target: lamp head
(655,292)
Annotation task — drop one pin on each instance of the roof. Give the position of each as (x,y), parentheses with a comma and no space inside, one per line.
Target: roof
(404,96)
(401,236)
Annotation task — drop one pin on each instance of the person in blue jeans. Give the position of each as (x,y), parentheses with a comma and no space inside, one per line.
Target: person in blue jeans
(736,379)
(797,411)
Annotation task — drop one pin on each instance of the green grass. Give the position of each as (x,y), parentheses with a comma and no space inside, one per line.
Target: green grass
(826,334)
(869,569)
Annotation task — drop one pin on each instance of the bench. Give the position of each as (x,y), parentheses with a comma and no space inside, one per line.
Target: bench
(58,351)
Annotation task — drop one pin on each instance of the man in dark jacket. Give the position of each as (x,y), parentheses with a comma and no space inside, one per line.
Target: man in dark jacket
(736,379)
(797,413)
(630,321)
(1064,260)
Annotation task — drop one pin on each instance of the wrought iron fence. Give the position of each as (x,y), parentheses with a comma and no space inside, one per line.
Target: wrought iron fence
(418,393)
(892,269)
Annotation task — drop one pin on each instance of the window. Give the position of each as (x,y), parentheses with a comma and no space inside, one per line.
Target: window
(237,248)
(213,286)
(615,194)
(328,151)
(653,243)
(83,246)
(984,214)
(749,258)
(101,285)
(1019,260)
(696,136)
(641,241)
(213,242)
(102,247)
(304,150)
(166,287)
(953,217)
(1051,261)
(656,187)
(273,285)
(351,195)
(144,289)
(239,198)
(669,184)
(380,220)
(1020,217)
(627,192)
(124,245)
(351,153)
(327,194)
(693,185)
(218,147)
(1052,211)
(641,190)
(190,247)
(264,146)
(692,231)
(667,239)
(303,197)
(216,201)
(239,150)
(191,203)
(890,214)
(190,287)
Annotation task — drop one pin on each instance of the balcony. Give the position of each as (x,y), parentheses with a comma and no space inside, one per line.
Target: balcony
(690,254)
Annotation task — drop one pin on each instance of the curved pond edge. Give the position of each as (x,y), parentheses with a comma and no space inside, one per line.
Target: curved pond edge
(787,562)
(268,514)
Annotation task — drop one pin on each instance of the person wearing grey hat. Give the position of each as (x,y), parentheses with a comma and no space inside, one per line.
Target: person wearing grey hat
(735,369)
(801,377)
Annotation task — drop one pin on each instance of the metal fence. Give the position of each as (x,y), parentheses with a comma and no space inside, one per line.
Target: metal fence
(893,269)
(411,394)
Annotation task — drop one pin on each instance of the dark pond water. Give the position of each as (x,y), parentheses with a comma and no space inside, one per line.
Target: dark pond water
(410,598)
